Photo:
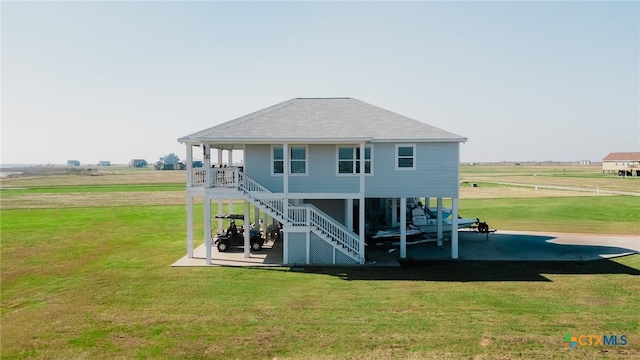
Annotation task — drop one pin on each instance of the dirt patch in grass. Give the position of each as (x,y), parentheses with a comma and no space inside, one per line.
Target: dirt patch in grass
(603,183)
(65,200)
(101,177)
(468,192)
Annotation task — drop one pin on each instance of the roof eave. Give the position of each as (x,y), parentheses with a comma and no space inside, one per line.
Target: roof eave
(437,140)
(187,140)
(195,141)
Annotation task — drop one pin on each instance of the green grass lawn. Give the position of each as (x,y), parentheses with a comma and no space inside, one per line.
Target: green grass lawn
(96,283)
(594,215)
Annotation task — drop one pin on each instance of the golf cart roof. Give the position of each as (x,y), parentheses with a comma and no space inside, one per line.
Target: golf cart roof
(230,216)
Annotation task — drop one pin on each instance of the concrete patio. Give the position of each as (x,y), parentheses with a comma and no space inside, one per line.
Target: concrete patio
(270,255)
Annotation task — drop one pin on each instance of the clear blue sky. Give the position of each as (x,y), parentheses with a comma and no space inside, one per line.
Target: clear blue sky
(121,80)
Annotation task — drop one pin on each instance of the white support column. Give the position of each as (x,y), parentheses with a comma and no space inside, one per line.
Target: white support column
(362,205)
(219,157)
(247,232)
(285,179)
(206,157)
(285,248)
(454,228)
(189,165)
(189,226)
(265,223)
(230,206)
(440,221)
(230,164)
(308,246)
(219,212)
(403,228)
(349,213)
(256,217)
(394,212)
(207,228)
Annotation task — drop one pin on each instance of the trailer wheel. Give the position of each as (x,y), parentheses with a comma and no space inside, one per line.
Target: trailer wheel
(388,246)
(223,246)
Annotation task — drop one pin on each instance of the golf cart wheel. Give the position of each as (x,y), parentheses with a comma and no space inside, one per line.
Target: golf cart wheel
(255,246)
(223,246)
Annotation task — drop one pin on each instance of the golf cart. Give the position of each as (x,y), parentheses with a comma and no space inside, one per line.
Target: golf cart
(232,236)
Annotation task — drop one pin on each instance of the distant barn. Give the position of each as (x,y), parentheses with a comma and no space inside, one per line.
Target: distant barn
(622,164)
(73,163)
(138,163)
(104,163)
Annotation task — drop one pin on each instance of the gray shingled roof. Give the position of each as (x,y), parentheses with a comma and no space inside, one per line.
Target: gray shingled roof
(322,120)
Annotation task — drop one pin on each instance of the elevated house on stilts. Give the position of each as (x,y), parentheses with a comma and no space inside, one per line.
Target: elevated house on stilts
(328,170)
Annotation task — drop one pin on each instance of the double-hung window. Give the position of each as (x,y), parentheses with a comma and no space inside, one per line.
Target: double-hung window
(277,160)
(349,160)
(405,157)
(297,160)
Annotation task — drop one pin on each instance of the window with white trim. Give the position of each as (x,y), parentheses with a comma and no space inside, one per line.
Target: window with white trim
(297,160)
(405,157)
(349,159)
(277,160)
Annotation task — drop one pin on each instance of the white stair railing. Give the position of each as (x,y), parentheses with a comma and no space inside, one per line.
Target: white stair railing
(335,231)
(260,193)
(300,215)
(224,177)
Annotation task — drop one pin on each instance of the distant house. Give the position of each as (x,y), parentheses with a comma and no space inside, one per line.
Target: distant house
(73,163)
(169,162)
(104,163)
(138,163)
(329,171)
(622,164)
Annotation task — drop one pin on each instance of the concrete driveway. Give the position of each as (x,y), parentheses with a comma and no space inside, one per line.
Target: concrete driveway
(529,246)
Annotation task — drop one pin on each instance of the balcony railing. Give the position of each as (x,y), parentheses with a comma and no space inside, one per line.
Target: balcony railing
(218,177)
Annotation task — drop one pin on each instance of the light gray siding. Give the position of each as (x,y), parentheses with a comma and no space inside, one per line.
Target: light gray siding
(322,176)
(436,172)
(257,161)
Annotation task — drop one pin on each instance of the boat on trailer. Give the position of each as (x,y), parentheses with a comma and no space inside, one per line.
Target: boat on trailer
(427,219)
(412,231)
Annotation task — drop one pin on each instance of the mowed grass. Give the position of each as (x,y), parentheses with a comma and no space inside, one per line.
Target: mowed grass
(586,177)
(89,277)
(578,214)
(96,283)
